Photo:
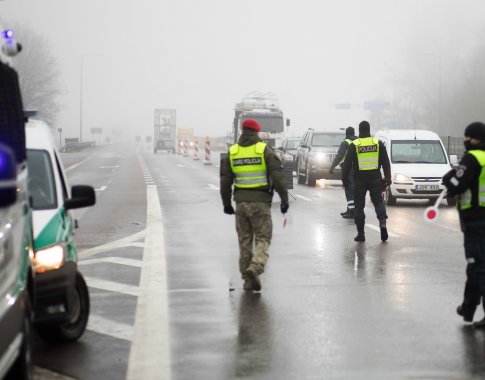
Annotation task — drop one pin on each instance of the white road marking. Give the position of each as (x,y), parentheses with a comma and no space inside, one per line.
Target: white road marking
(213,187)
(109,327)
(376,228)
(109,167)
(102,188)
(79,163)
(112,260)
(45,374)
(302,197)
(121,243)
(112,286)
(150,350)
(181,166)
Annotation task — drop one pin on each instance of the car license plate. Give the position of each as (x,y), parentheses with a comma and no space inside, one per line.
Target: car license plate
(427,187)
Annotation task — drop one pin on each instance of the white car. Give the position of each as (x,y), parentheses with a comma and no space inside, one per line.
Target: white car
(418,163)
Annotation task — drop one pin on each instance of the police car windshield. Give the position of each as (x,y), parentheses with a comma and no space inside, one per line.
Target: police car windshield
(41,180)
(417,152)
(327,139)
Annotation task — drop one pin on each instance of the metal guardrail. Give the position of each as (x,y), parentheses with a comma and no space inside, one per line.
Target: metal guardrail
(77,146)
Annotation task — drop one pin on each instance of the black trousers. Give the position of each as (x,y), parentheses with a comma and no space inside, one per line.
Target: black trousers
(475,271)
(349,191)
(374,187)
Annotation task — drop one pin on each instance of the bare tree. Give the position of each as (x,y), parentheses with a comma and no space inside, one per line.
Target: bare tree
(39,74)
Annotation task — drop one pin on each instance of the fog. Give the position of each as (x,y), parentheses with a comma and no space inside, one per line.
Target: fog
(201,57)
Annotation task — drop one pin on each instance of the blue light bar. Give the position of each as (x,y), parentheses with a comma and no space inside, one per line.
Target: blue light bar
(7,34)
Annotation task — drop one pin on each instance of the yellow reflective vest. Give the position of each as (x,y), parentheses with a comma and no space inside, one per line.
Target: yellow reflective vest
(465,199)
(367,153)
(249,166)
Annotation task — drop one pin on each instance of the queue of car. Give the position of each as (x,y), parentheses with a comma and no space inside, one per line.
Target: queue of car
(418,161)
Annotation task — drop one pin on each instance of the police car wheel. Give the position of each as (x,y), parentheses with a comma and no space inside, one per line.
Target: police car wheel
(22,368)
(73,329)
(311,180)
(300,177)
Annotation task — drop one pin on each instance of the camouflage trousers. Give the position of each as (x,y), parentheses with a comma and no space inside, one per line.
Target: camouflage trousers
(254,229)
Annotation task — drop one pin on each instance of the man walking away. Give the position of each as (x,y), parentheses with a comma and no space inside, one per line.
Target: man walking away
(338,160)
(365,157)
(254,170)
(467,182)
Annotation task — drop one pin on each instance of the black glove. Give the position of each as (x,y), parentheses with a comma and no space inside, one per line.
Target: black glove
(284,206)
(385,183)
(331,170)
(229,210)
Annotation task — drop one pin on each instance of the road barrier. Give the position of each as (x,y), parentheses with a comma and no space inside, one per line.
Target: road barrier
(178,150)
(196,150)
(185,148)
(207,160)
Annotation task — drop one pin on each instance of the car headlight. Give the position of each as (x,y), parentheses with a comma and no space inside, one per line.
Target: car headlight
(402,179)
(318,156)
(287,157)
(49,258)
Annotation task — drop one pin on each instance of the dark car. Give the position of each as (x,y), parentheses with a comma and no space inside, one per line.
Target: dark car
(289,149)
(315,155)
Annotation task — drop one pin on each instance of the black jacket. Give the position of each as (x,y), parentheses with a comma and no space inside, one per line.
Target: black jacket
(367,175)
(344,145)
(466,176)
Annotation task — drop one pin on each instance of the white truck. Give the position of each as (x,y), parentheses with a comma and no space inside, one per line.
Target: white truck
(263,107)
(16,242)
(165,130)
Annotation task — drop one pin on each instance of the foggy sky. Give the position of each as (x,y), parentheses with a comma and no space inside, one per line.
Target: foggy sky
(201,57)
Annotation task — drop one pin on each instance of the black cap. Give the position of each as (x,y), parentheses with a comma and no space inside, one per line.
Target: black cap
(364,127)
(350,131)
(476,130)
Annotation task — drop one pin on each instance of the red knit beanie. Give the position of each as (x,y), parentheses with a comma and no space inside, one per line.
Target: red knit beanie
(251,124)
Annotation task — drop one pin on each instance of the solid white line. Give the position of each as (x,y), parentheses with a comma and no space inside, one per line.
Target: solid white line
(112,260)
(102,188)
(302,197)
(150,350)
(213,187)
(375,228)
(79,163)
(128,241)
(181,166)
(109,327)
(112,286)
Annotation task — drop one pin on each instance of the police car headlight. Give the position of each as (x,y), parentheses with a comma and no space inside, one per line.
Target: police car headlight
(49,258)
(402,179)
(318,156)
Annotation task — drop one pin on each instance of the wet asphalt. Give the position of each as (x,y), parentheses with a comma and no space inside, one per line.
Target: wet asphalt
(330,308)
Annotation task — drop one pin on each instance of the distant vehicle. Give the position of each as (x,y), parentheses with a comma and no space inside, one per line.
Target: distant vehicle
(61,298)
(289,149)
(315,155)
(16,244)
(418,163)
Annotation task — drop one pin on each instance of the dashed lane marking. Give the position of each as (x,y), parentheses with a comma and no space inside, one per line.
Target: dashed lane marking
(112,260)
(109,327)
(121,243)
(102,188)
(212,187)
(302,197)
(80,163)
(181,166)
(112,286)
(376,228)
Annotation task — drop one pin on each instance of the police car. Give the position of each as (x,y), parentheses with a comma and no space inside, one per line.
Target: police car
(61,300)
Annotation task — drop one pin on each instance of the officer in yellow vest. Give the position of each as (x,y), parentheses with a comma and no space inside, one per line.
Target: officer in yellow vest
(467,183)
(349,182)
(254,170)
(365,157)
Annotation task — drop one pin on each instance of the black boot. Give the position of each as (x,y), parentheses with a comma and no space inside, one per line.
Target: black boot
(349,214)
(383,227)
(360,236)
(466,311)
(345,212)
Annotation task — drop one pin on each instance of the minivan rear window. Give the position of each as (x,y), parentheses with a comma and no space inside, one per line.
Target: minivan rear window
(417,152)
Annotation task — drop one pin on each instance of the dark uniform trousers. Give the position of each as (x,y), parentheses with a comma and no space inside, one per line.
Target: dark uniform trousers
(374,187)
(349,190)
(474,233)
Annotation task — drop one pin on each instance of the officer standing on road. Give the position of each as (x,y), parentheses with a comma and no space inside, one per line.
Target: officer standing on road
(349,182)
(467,182)
(365,157)
(254,170)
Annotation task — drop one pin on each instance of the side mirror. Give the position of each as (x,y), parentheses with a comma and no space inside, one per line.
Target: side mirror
(8,176)
(81,196)
(453,159)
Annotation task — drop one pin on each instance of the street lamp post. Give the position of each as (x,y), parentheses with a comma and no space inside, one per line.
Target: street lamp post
(81,95)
